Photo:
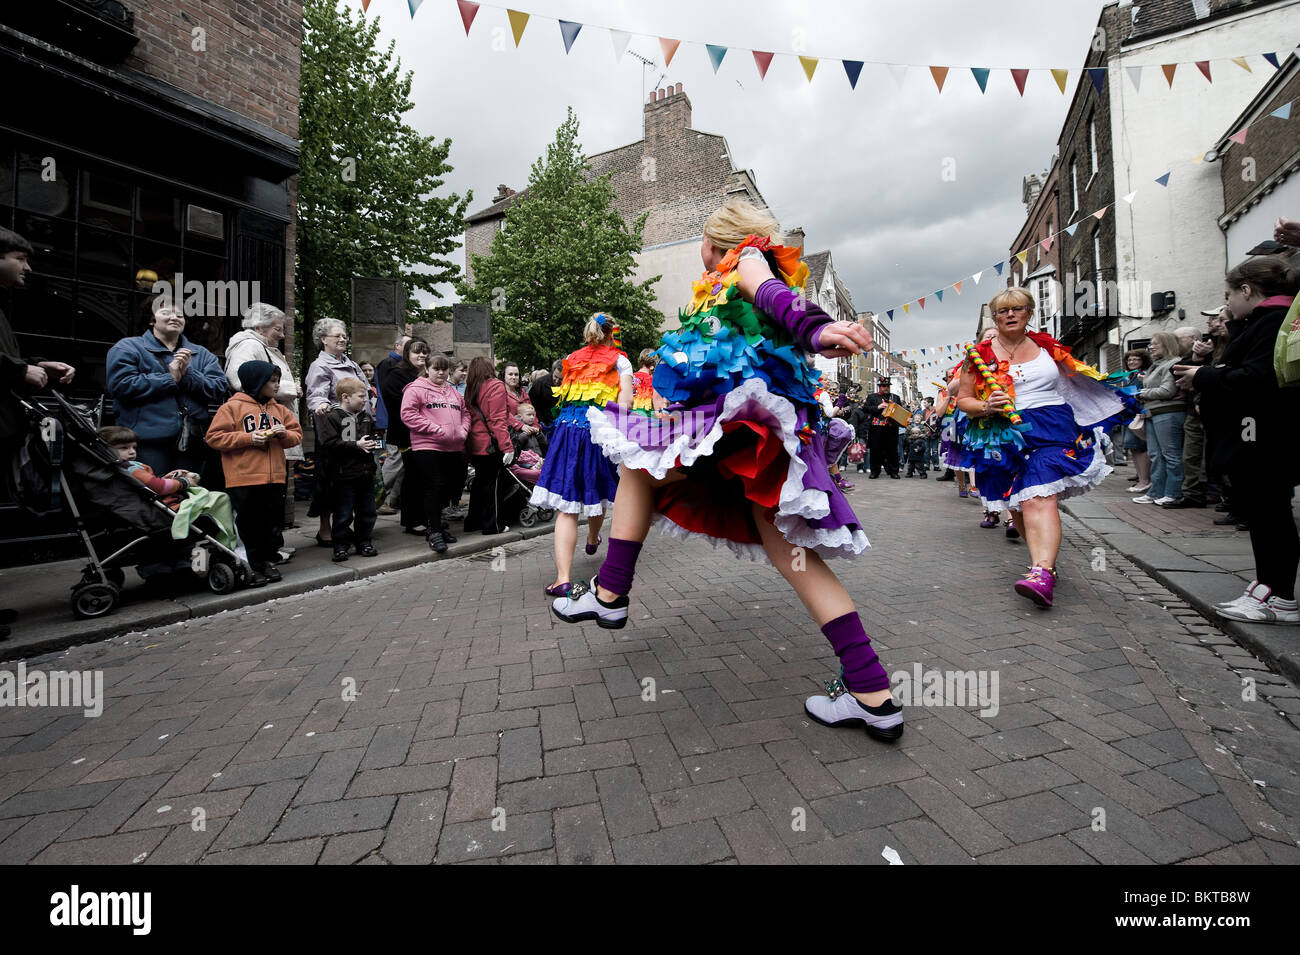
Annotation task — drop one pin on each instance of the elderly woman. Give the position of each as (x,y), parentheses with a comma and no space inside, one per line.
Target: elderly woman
(162,384)
(1136,365)
(1256,420)
(331,366)
(1039,413)
(1163,411)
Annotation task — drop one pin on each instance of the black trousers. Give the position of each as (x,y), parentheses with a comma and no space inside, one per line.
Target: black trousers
(412,505)
(259,509)
(1265,501)
(353,510)
(481,515)
(442,475)
(883,444)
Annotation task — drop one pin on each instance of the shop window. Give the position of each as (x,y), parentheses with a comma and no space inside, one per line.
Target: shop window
(158,216)
(105,314)
(53,241)
(44,186)
(105,203)
(154,261)
(105,257)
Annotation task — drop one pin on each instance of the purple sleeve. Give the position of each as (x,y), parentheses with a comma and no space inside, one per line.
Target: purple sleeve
(804,322)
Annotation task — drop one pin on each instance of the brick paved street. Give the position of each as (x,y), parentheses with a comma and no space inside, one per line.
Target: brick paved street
(483,729)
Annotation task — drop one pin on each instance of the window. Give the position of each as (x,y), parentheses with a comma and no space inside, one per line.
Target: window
(1096,266)
(1092,142)
(1074,186)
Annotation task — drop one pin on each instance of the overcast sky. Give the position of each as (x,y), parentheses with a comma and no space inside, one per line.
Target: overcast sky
(861,170)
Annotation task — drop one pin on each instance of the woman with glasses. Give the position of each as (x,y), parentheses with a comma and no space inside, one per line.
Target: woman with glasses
(1035,428)
(331,366)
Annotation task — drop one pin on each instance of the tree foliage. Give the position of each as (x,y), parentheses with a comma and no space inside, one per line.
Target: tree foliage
(564,254)
(366,189)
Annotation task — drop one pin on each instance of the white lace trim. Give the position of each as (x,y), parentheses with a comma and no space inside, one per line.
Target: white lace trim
(544,498)
(1071,486)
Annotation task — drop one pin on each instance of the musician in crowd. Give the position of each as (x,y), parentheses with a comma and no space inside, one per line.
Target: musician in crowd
(882,435)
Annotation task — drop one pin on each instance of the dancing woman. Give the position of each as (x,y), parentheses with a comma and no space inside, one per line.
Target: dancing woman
(738,457)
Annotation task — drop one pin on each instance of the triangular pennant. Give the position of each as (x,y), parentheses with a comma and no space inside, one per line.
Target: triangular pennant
(670,49)
(981,75)
(365,5)
(1021,256)
(1098,76)
(1135,75)
(1282,112)
(809,64)
(762,61)
(1168,70)
(1163,180)
(413,4)
(853,68)
(1129,197)
(1241,61)
(1239,137)
(998,268)
(1069,229)
(517,23)
(1102,211)
(1046,244)
(957,286)
(923,352)
(569,31)
(939,296)
(921,301)
(1061,76)
(468,11)
(1272,58)
(619,39)
(899,72)
(1199,159)
(977,276)
(889,314)
(940,73)
(1020,76)
(716,53)
(1204,67)
(905,309)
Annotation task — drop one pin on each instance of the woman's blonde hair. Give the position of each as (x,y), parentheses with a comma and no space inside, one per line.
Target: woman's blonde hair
(1170,346)
(595,332)
(1010,297)
(729,225)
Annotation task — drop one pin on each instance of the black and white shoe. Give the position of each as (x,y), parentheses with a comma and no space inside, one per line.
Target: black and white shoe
(841,708)
(583,604)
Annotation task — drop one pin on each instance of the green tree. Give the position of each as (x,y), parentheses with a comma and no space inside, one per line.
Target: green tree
(565,253)
(366,189)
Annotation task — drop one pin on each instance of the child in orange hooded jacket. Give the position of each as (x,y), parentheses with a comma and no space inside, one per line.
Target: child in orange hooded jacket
(251,431)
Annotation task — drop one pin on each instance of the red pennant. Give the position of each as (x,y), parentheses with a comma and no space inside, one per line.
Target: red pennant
(468,11)
(1020,76)
(921,300)
(1204,67)
(762,61)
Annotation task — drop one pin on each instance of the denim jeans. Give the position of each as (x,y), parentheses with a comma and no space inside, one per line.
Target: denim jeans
(932,452)
(1165,444)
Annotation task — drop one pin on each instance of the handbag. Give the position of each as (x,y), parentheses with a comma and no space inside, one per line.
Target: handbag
(492,441)
(1137,425)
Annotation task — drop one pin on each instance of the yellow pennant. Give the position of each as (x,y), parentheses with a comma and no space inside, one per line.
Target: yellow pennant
(1060,76)
(1021,256)
(1241,61)
(905,308)
(517,23)
(809,64)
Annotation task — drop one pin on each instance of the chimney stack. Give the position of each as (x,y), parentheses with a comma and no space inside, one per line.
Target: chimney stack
(794,237)
(667,113)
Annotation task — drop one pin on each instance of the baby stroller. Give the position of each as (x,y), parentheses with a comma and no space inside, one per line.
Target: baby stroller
(513,491)
(69,477)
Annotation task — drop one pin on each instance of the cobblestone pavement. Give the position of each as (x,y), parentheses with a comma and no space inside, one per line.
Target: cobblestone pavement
(1126,728)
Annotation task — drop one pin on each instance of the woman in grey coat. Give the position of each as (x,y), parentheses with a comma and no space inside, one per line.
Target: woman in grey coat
(331,366)
(1164,410)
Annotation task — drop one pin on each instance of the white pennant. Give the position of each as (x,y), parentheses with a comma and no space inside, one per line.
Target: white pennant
(1129,197)
(1135,74)
(899,72)
(620,39)
(977,276)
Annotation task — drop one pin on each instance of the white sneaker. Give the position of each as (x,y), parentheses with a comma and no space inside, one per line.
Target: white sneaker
(1255,610)
(1164,500)
(1140,488)
(841,708)
(1144,499)
(1250,590)
(583,604)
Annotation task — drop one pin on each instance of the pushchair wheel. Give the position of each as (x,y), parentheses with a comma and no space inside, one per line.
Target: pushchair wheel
(221,578)
(94,600)
(528,516)
(546,513)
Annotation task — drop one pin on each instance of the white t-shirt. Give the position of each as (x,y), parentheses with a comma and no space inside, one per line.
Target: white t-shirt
(624,366)
(1035,383)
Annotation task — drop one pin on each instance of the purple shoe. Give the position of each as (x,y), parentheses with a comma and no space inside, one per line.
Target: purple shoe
(1037,585)
(990,519)
(963,493)
(559,590)
(842,484)
(590,549)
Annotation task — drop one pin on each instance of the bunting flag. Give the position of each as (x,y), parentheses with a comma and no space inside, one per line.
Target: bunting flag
(670,49)
(1163,180)
(975,277)
(1021,256)
(940,73)
(957,286)
(1098,76)
(809,64)
(1204,67)
(619,38)
(1272,58)
(365,5)
(905,309)
(998,268)
(921,302)
(889,314)
(762,61)
(1135,75)
(468,11)
(1282,112)
(413,4)
(1241,61)
(716,53)
(1046,244)
(981,77)
(1102,211)
(853,68)
(1129,197)
(899,72)
(1061,76)
(1020,76)
(939,296)
(1168,69)
(517,23)
(569,32)
(1239,137)
(1069,229)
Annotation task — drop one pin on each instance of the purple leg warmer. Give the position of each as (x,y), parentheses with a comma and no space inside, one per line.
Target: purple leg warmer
(620,565)
(862,670)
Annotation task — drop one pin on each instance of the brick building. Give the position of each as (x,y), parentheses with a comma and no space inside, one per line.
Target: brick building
(1041,270)
(147,140)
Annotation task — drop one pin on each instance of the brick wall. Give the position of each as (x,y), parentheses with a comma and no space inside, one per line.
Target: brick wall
(1273,143)
(1156,17)
(251,56)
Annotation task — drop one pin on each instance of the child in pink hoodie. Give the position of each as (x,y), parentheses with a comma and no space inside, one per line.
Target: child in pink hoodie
(436,415)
